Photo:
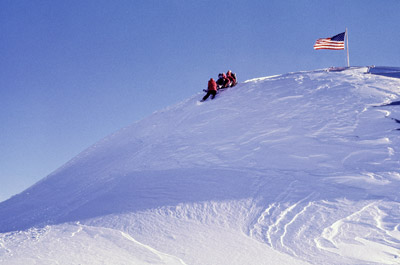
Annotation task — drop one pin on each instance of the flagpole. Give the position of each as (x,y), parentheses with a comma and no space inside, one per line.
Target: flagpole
(347,48)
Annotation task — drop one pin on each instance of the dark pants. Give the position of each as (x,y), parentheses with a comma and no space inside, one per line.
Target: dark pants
(210,92)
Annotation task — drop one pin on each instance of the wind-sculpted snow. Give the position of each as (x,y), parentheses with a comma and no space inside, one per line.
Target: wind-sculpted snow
(299,168)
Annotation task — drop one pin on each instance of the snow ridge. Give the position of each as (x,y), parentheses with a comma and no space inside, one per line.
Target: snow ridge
(300,168)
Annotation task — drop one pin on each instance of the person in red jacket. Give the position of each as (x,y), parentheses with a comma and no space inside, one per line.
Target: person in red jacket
(211,90)
(231,77)
(223,81)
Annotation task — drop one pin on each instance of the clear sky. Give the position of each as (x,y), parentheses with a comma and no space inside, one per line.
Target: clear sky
(72,72)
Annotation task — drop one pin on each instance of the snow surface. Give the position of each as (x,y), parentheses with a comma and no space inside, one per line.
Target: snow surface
(301,168)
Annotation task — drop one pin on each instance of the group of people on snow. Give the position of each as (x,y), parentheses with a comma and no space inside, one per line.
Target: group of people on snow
(224,81)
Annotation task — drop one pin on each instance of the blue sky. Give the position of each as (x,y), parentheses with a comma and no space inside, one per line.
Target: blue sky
(72,72)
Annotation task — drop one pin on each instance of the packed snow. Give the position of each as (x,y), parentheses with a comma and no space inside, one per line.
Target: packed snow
(300,168)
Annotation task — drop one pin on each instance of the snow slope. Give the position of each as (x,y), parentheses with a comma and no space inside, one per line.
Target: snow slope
(301,168)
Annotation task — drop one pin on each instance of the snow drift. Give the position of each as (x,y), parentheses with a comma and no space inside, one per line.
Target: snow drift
(301,168)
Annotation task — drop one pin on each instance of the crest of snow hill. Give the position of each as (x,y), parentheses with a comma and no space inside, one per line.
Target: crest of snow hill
(301,168)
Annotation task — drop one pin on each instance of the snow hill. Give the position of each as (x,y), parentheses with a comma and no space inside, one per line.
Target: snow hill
(300,168)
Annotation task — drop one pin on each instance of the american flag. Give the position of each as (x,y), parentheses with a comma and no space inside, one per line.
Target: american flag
(334,43)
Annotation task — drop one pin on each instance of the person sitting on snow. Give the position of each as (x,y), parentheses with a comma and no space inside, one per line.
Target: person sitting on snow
(223,81)
(212,90)
(232,78)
